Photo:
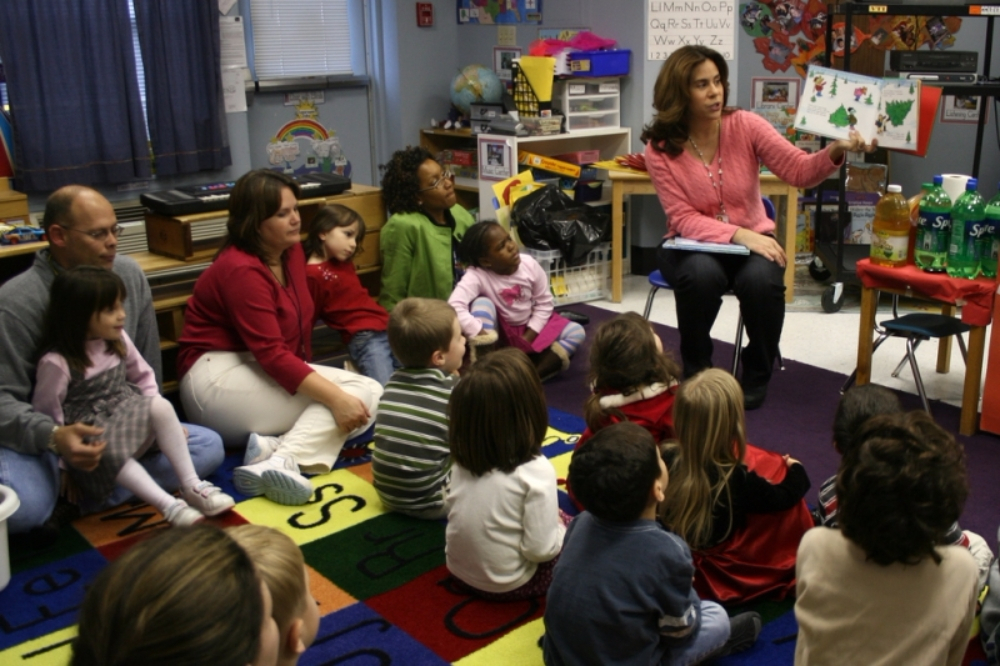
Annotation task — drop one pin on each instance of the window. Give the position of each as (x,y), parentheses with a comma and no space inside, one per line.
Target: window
(294,38)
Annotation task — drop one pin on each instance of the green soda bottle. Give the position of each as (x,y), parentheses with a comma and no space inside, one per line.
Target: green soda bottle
(989,239)
(934,229)
(967,221)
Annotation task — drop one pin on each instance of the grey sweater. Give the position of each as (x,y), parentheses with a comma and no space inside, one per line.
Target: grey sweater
(23,301)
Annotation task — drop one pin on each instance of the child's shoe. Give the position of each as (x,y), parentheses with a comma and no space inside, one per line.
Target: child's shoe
(208,498)
(743,632)
(260,448)
(482,344)
(179,514)
(277,478)
(550,362)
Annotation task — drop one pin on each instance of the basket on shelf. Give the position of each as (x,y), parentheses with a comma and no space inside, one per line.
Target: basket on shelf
(525,99)
(576,284)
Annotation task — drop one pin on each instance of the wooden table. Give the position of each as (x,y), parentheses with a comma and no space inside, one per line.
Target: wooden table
(977,299)
(625,183)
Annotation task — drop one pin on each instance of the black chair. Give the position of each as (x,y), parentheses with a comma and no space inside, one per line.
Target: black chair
(657,282)
(915,328)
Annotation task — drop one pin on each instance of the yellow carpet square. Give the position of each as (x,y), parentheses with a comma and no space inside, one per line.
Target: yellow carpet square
(48,650)
(518,647)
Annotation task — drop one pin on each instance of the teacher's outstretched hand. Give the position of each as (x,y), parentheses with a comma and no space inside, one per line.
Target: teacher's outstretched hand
(854,144)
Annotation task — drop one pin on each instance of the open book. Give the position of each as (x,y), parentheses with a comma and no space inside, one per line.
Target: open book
(835,102)
(678,243)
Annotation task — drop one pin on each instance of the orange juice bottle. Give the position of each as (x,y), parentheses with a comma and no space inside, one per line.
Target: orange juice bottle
(891,229)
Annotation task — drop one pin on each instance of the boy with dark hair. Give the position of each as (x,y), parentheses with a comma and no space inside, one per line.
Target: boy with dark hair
(900,487)
(411,460)
(602,608)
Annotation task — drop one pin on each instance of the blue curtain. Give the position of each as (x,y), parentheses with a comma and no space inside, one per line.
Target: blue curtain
(74,98)
(179,40)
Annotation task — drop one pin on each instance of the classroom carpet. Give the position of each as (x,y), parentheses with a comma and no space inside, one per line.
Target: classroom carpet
(380,579)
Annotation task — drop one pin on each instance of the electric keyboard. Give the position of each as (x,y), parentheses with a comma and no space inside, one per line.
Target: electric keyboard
(215,196)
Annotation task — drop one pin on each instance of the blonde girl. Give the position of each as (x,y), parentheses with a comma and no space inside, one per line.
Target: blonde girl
(720,486)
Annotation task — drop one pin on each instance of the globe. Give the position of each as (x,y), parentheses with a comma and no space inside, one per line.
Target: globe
(475,84)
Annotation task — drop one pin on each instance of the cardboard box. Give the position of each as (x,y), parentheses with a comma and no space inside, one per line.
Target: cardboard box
(580,157)
(548,164)
(12,204)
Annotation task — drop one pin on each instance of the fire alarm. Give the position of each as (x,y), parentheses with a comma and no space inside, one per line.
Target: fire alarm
(425,14)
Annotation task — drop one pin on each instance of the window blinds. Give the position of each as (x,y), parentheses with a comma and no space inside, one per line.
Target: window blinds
(294,38)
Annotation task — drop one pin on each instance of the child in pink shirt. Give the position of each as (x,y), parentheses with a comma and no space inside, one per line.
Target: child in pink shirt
(504,293)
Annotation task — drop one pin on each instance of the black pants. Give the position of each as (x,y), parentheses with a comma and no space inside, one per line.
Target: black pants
(699,280)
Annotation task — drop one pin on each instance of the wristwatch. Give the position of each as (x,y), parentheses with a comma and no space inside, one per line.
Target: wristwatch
(52,440)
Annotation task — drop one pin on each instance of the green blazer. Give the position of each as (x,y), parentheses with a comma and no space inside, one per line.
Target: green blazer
(417,256)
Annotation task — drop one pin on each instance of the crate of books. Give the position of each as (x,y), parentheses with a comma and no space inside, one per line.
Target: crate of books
(575,284)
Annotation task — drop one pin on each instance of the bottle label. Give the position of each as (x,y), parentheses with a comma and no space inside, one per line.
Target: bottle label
(936,221)
(889,248)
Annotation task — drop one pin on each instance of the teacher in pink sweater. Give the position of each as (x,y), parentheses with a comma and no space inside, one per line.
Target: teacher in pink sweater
(704,160)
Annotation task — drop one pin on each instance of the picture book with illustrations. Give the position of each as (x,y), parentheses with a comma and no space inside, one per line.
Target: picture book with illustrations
(834,103)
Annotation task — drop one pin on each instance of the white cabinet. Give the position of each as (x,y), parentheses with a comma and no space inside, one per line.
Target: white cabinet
(607,141)
(590,103)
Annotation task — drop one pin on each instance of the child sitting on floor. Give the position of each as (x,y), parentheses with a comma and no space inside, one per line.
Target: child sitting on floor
(880,590)
(92,373)
(632,379)
(859,404)
(280,563)
(335,236)
(741,509)
(507,294)
(622,590)
(411,460)
(504,525)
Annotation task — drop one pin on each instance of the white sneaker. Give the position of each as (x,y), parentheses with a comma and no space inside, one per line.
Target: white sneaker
(208,498)
(179,514)
(260,448)
(277,478)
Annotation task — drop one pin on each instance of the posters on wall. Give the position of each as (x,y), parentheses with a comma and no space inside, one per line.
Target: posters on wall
(488,12)
(676,23)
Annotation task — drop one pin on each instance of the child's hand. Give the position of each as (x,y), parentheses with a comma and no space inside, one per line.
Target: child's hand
(529,335)
(789,461)
(69,442)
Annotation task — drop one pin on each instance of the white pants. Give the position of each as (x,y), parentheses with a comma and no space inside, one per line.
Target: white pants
(230,393)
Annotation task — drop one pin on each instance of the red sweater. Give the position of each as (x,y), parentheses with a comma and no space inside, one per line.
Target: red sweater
(341,300)
(239,306)
(747,140)
(655,414)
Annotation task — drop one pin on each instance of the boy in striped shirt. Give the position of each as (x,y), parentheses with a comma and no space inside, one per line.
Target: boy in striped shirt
(411,461)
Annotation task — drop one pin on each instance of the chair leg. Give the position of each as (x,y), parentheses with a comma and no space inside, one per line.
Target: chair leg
(738,352)
(649,302)
(961,346)
(905,359)
(910,349)
(854,373)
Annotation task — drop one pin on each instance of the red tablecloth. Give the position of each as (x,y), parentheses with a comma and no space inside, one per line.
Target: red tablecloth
(975,296)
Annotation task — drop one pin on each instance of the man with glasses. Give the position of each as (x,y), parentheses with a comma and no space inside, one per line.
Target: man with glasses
(83,231)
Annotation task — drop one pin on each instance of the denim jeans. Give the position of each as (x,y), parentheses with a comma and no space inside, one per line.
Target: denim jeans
(35,479)
(713,632)
(371,353)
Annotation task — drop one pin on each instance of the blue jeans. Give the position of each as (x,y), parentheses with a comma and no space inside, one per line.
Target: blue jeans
(370,351)
(713,632)
(35,479)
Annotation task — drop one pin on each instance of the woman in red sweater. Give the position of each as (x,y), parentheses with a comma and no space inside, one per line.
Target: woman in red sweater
(246,345)
(692,134)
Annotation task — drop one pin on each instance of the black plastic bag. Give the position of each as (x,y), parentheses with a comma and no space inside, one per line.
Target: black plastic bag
(548,219)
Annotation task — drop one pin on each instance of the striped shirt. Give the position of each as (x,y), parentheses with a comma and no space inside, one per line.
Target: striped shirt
(411,461)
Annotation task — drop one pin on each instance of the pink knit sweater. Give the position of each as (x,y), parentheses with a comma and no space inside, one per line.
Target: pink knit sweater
(686,193)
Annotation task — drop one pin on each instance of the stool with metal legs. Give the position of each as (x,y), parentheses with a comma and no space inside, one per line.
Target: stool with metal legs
(915,328)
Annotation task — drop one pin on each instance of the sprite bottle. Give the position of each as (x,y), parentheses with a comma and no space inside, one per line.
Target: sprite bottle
(989,239)
(968,218)
(933,229)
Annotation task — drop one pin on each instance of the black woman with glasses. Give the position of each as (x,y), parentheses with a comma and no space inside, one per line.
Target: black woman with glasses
(83,231)
(420,240)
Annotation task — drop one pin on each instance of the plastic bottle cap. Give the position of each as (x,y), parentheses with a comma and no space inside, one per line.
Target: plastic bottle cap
(971,185)
(895,189)
(938,180)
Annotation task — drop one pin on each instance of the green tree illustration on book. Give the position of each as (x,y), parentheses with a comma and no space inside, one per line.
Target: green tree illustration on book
(898,110)
(833,86)
(868,100)
(840,117)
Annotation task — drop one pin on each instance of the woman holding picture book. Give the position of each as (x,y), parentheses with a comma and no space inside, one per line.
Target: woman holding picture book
(704,161)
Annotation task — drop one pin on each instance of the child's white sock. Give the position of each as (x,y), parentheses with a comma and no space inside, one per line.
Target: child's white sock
(137,480)
(170,438)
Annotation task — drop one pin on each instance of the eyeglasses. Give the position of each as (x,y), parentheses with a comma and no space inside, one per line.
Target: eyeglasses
(98,234)
(447,175)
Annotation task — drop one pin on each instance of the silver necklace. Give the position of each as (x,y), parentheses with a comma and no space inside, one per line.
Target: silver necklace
(722,217)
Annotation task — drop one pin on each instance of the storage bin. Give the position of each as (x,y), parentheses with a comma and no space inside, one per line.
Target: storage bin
(589,190)
(580,157)
(576,284)
(600,63)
